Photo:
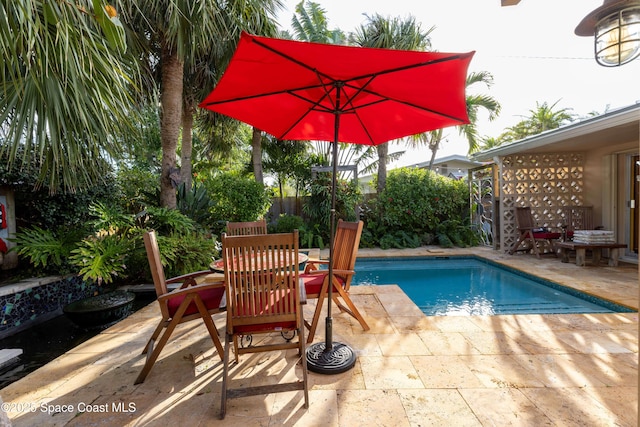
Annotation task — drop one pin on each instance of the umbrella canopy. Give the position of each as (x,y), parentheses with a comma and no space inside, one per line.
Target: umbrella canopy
(294,90)
(310,91)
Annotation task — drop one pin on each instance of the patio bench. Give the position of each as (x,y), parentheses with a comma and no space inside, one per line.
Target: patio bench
(596,249)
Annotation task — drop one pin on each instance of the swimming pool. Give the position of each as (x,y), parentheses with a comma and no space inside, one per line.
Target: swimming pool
(465,286)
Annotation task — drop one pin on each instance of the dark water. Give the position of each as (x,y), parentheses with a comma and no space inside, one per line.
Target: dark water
(44,342)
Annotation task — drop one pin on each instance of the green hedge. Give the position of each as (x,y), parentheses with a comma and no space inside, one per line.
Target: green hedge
(419,207)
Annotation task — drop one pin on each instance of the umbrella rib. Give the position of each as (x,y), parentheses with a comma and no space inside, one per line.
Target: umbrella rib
(411,66)
(314,104)
(389,99)
(261,95)
(384,98)
(387,71)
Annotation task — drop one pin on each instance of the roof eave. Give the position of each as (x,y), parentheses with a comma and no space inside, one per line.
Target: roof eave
(605,121)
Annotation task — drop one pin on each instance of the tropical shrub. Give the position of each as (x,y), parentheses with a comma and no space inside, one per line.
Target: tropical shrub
(47,250)
(196,204)
(412,208)
(112,249)
(137,188)
(287,223)
(318,205)
(183,254)
(237,197)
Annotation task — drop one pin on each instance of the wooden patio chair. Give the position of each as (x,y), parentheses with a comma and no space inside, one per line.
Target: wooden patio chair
(316,281)
(191,301)
(246,228)
(263,296)
(577,218)
(533,237)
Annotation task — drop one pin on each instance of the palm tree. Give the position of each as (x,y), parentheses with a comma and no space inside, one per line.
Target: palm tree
(489,142)
(204,69)
(476,102)
(540,119)
(544,118)
(66,89)
(310,24)
(177,34)
(390,33)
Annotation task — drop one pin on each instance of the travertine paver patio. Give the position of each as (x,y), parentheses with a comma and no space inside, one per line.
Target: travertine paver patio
(413,370)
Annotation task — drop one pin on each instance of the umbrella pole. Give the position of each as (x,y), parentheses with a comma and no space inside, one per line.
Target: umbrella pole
(329,357)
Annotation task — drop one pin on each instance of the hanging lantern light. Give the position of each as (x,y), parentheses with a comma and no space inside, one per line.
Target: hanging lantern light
(616,27)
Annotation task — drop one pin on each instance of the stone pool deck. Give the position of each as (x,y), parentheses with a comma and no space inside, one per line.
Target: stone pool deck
(412,370)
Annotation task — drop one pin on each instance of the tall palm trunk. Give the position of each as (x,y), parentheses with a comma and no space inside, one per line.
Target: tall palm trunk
(256,155)
(171,99)
(186,166)
(434,138)
(383,153)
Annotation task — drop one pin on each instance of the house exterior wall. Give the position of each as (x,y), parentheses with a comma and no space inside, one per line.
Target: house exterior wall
(546,182)
(605,172)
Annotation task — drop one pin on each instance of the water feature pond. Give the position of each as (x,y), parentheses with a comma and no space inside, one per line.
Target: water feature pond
(44,342)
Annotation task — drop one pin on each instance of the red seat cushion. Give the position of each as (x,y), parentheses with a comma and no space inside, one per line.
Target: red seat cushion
(210,297)
(264,307)
(313,282)
(546,235)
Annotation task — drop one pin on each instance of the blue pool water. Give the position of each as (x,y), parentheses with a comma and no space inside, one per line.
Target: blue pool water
(464,286)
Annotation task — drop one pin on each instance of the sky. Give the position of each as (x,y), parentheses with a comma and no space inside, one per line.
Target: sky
(530,49)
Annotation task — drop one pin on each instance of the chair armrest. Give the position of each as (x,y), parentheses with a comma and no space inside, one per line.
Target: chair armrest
(312,264)
(316,272)
(343,272)
(190,289)
(185,277)
(325,272)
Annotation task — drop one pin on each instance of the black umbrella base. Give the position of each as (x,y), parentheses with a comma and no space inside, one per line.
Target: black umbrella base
(332,361)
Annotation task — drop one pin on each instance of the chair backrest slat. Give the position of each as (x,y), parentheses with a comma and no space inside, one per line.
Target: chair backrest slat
(345,246)
(247,228)
(578,217)
(524,218)
(261,276)
(157,271)
(155,262)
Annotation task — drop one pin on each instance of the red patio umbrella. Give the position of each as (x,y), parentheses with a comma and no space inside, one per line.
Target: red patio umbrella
(311,91)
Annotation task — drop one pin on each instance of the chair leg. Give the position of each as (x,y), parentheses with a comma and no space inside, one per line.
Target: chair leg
(353,310)
(236,350)
(170,327)
(516,245)
(153,356)
(211,326)
(150,344)
(303,358)
(316,317)
(225,376)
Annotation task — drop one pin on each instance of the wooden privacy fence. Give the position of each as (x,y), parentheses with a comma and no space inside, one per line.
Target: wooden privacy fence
(287,205)
(293,206)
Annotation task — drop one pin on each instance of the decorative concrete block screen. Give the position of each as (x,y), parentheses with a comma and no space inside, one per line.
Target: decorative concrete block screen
(546,182)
